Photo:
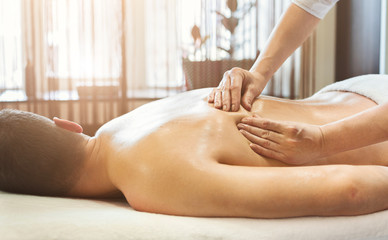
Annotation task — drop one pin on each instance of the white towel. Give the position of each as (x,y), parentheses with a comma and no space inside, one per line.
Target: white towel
(372,86)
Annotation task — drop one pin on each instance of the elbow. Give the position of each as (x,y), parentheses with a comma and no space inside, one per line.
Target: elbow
(363,190)
(353,198)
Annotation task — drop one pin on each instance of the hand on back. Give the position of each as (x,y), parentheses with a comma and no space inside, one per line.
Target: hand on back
(238,86)
(289,142)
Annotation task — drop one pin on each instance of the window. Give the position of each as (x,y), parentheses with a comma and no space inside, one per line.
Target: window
(54,47)
(11,64)
(83,40)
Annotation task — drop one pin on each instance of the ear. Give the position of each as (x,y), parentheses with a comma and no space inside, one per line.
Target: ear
(68,125)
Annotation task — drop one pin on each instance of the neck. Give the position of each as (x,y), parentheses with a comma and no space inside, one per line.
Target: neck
(95,181)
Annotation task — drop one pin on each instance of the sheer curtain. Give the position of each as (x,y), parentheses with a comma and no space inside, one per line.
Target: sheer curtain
(71,43)
(11,74)
(92,60)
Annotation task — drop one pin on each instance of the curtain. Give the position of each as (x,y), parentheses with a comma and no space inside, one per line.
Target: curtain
(11,74)
(73,58)
(92,60)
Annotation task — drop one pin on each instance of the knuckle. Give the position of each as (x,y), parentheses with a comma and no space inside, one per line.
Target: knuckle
(265,133)
(266,144)
(235,86)
(265,123)
(235,70)
(292,130)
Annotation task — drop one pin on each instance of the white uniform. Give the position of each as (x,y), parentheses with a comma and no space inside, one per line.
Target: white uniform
(318,8)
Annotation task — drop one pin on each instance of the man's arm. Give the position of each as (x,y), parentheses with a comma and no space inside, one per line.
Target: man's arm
(265,192)
(300,191)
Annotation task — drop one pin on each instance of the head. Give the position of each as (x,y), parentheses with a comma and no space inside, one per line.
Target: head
(38,157)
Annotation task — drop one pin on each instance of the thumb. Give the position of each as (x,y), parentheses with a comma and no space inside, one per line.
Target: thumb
(248,98)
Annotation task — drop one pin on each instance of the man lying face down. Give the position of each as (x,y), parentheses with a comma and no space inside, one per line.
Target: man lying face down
(181,156)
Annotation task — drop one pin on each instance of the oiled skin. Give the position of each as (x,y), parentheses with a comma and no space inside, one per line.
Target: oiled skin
(181,156)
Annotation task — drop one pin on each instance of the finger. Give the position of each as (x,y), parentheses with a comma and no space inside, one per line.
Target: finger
(235,91)
(268,144)
(267,153)
(262,133)
(210,98)
(248,97)
(217,98)
(264,123)
(226,94)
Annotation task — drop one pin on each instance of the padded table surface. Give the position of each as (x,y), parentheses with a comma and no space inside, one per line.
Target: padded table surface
(34,217)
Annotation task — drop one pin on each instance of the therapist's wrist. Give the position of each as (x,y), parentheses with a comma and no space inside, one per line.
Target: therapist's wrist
(324,148)
(265,66)
(331,140)
(261,77)
(259,81)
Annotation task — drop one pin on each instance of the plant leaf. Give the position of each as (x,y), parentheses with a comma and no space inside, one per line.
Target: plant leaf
(232,5)
(230,23)
(196,33)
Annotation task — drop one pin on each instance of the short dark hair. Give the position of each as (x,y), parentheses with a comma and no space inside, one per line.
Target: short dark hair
(36,156)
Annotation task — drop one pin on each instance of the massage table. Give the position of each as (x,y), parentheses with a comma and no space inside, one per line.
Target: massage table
(35,217)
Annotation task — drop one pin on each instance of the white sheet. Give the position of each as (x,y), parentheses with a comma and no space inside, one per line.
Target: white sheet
(33,217)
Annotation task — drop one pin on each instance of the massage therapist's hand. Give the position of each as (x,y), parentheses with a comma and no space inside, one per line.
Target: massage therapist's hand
(237,82)
(290,142)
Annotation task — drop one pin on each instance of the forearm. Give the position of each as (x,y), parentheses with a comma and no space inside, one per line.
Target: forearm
(293,29)
(363,129)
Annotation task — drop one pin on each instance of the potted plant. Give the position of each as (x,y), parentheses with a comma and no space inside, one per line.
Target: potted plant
(201,72)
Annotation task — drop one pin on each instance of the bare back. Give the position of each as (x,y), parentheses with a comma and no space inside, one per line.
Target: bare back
(187,126)
(175,139)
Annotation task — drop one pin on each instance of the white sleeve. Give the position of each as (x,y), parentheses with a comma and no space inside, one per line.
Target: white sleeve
(318,8)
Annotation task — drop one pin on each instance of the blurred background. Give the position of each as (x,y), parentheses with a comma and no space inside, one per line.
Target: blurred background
(90,61)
